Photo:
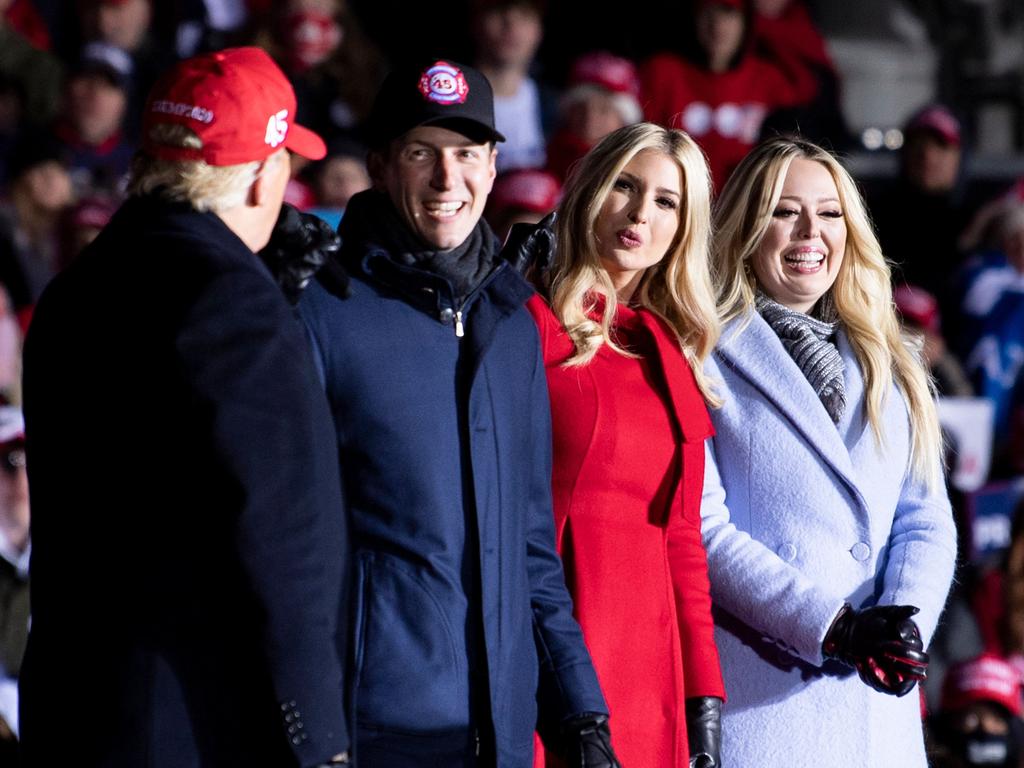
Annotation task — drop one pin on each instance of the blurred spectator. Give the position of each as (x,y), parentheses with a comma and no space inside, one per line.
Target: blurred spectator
(788,24)
(722,96)
(128,25)
(40,192)
(979,723)
(507,34)
(11,335)
(30,80)
(208,25)
(602,95)
(919,311)
(22,17)
(89,216)
(341,174)
(14,556)
(525,196)
(921,217)
(982,233)
(992,330)
(91,126)
(333,66)
(997,599)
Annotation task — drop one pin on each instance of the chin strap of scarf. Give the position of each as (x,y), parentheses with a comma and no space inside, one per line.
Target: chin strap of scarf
(809,342)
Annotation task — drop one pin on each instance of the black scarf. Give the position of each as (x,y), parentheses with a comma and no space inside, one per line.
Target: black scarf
(371,218)
(809,342)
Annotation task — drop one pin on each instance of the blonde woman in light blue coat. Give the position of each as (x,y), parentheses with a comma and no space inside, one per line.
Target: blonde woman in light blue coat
(829,536)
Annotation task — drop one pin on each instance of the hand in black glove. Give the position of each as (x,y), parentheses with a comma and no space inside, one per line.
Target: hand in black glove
(882,643)
(531,246)
(704,731)
(588,742)
(300,245)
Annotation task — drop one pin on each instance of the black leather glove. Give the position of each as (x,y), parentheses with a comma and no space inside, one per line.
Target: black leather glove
(301,244)
(588,742)
(531,246)
(882,643)
(704,731)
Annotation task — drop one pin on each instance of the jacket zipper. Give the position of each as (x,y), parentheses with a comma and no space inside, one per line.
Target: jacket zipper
(460,329)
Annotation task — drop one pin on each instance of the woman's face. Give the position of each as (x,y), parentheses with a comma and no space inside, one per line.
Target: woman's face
(593,116)
(639,219)
(720,29)
(801,253)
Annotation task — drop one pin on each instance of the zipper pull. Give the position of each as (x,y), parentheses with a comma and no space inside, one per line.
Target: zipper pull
(476,738)
(460,329)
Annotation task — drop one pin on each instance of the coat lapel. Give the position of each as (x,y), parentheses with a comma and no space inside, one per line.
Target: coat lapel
(690,410)
(757,354)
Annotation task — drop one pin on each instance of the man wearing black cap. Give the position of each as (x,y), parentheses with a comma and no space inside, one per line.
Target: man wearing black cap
(432,367)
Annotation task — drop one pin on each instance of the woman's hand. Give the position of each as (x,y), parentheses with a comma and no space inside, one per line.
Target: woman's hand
(882,643)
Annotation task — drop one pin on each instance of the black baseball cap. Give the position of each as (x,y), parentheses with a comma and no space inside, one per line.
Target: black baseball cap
(437,92)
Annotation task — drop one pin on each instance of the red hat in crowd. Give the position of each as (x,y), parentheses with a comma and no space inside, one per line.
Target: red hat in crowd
(526,189)
(985,678)
(237,101)
(917,307)
(608,72)
(611,72)
(937,120)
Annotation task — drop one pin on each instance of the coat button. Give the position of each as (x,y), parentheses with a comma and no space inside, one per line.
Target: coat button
(787,552)
(446,315)
(860,551)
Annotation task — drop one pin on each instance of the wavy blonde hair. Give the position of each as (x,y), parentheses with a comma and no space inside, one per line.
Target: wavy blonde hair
(862,292)
(677,288)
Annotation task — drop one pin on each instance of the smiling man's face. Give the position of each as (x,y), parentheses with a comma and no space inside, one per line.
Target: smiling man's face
(438,180)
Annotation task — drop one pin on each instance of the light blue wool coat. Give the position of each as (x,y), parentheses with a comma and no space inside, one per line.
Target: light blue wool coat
(800,515)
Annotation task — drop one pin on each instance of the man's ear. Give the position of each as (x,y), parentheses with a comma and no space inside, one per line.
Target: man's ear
(258,188)
(375,162)
(492,169)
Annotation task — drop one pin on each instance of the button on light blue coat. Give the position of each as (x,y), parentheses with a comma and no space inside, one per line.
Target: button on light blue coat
(800,515)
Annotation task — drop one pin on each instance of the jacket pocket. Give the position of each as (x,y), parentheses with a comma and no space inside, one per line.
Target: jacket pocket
(411,673)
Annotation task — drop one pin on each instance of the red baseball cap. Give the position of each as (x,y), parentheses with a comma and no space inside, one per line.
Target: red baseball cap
(529,189)
(938,120)
(917,306)
(985,678)
(237,101)
(611,72)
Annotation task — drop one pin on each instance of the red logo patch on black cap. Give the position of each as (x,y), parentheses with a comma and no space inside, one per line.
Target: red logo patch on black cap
(442,83)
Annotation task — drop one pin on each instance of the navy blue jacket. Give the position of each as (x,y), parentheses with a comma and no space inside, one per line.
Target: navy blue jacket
(445,449)
(187,564)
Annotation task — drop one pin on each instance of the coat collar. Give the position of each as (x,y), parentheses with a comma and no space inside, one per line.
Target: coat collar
(751,348)
(691,412)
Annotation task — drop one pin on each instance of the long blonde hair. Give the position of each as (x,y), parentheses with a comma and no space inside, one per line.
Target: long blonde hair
(677,288)
(862,292)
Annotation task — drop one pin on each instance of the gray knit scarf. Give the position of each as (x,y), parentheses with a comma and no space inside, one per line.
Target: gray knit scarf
(809,342)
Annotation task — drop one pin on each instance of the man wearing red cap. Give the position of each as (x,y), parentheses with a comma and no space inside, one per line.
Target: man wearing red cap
(979,722)
(187,568)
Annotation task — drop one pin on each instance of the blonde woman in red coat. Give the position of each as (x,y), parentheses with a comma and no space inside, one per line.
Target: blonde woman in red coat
(627,320)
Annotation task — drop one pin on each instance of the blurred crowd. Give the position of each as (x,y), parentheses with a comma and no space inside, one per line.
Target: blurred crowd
(73,77)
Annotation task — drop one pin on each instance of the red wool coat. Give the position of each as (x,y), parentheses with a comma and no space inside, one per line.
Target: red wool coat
(627,479)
